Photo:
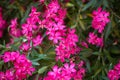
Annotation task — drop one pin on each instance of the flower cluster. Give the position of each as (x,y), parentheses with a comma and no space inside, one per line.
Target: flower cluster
(67,72)
(2,23)
(22,66)
(95,40)
(114,74)
(8,75)
(100,19)
(14,31)
(64,38)
(67,46)
(30,29)
(53,21)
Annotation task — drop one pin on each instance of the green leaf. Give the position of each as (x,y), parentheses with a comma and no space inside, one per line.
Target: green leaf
(69,5)
(35,63)
(1,63)
(105,3)
(86,52)
(96,53)
(108,31)
(97,72)
(108,55)
(42,70)
(104,78)
(88,5)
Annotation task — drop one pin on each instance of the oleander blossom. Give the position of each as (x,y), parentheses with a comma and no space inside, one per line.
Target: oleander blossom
(30,27)
(80,73)
(66,72)
(84,44)
(25,46)
(64,38)
(54,21)
(8,75)
(37,40)
(22,66)
(95,40)
(100,19)
(14,31)
(114,74)
(67,46)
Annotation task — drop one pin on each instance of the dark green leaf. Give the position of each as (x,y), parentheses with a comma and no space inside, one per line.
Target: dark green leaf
(43,69)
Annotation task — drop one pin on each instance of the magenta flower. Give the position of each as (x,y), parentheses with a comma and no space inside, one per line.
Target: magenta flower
(37,40)
(52,8)
(66,72)
(7,57)
(31,26)
(14,31)
(9,74)
(68,69)
(22,66)
(2,76)
(84,44)
(55,73)
(67,45)
(100,19)
(25,46)
(114,74)
(95,40)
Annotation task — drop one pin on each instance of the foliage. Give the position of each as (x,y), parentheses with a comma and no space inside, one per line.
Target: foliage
(98,60)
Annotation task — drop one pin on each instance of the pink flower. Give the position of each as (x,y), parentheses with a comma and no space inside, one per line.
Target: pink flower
(69,69)
(7,57)
(66,72)
(67,45)
(22,66)
(80,72)
(100,19)
(52,8)
(37,40)
(114,74)
(84,44)
(54,35)
(25,46)
(9,74)
(14,31)
(95,40)
(31,26)
(2,76)
(71,37)
(55,73)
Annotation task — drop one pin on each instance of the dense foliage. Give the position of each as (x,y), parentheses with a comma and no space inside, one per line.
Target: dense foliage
(59,40)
